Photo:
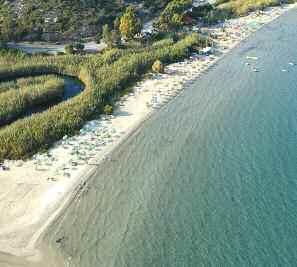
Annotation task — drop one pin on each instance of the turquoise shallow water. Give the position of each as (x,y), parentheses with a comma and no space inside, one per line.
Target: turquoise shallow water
(209,181)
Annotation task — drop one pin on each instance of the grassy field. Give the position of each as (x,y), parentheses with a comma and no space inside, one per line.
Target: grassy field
(105,77)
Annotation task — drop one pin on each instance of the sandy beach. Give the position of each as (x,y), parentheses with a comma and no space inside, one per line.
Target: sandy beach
(35,191)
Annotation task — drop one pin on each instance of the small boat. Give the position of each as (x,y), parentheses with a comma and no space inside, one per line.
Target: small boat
(247,64)
(292,63)
(253,58)
(255,70)
(284,70)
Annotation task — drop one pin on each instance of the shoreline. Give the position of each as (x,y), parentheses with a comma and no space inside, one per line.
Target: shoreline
(46,198)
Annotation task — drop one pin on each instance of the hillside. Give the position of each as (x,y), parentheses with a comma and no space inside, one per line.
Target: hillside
(64,19)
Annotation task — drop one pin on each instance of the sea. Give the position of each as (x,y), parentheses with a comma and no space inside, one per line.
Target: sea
(209,180)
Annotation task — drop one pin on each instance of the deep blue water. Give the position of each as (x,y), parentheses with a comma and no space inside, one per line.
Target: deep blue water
(211,180)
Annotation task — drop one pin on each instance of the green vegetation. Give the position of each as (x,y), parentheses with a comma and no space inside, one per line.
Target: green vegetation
(158,67)
(242,7)
(111,38)
(172,17)
(6,22)
(61,19)
(79,47)
(26,94)
(104,76)
(130,25)
(225,9)
(72,19)
(76,48)
(23,82)
(108,109)
(69,49)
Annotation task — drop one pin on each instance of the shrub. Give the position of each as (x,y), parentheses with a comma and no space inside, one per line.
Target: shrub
(69,49)
(79,47)
(104,76)
(163,42)
(108,109)
(243,7)
(158,67)
(172,17)
(98,37)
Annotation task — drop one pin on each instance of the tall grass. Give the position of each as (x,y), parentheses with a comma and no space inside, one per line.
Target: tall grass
(25,137)
(6,86)
(23,82)
(31,94)
(243,7)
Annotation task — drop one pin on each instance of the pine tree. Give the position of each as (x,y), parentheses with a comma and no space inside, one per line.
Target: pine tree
(129,24)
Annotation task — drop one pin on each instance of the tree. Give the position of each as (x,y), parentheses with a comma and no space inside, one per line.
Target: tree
(69,49)
(98,36)
(7,22)
(106,35)
(79,47)
(111,38)
(116,38)
(130,25)
(116,24)
(172,18)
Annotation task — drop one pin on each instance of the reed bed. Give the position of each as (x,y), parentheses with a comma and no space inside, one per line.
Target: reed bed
(28,94)
(6,86)
(114,71)
(23,82)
